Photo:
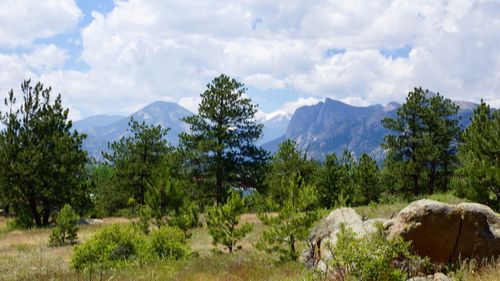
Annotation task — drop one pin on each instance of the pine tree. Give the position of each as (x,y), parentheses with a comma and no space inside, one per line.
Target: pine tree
(223,220)
(287,160)
(134,158)
(478,178)
(296,216)
(330,181)
(221,140)
(423,147)
(366,178)
(42,164)
(65,232)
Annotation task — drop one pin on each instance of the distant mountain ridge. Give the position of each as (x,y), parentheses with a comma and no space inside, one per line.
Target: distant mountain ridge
(332,126)
(104,129)
(326,127)
(166,114)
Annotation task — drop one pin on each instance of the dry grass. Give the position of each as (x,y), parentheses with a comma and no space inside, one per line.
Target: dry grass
(24,255)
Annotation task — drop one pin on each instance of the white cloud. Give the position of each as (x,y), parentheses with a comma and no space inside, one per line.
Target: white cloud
(264,81)
(45,58)
(23,21)
(145,50)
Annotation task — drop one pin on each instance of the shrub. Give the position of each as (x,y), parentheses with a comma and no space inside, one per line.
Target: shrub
(373,257)
(23,220)
(168,242)
(222,222)
(110,247)
(65,233)
(117,245)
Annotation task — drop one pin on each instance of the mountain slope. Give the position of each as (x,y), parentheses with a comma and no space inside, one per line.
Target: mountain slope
(166,114)
(332,126)
(274,127)
(89,124)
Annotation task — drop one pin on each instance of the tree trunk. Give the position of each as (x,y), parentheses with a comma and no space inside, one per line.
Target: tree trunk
(432,178)
(46,213)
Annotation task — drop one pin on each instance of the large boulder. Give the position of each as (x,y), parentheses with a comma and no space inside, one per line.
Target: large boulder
(325,234)
(447,233)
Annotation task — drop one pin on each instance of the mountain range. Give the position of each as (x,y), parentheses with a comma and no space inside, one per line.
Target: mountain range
(326,127)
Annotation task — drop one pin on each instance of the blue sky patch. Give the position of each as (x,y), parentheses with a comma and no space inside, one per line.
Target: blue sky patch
(403,52)
(333,52)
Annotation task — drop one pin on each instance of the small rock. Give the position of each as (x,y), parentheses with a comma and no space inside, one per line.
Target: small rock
(325,233)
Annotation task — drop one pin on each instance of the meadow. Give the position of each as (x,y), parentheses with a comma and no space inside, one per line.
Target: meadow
(24,255)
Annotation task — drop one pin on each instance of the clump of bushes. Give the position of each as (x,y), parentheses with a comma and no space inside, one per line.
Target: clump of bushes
(117,245)
(65,232)
(373,257)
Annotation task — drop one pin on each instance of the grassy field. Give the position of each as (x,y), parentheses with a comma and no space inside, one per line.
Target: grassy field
(24,255)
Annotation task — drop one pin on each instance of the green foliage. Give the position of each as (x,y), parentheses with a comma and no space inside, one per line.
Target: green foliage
(41,157)
(108,196)
(134,159)
(372,257)
(220,144)
(346,182)
(144,218)
(110,247)
(297,214)
(336,183)
(367,180)
(287,160)
(222,222)
(169,204)
(422,150)
(117,245)
(164,196)
(168,242)
(65,232)
(478,178)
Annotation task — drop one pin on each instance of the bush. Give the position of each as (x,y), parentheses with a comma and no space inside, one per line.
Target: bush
(110,247)
(373,257)
(23,220)
(168,242)
(117,245)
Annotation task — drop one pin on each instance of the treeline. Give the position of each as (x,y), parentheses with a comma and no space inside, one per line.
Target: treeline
(43,166)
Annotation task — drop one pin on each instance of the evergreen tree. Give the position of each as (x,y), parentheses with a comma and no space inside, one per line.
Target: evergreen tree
(296,215)
(108,197)
(336,181)
(167,199)
(41,157)
(441,142)
(65,232)
(366,178)
(223,220)
(424,144)
(330,181)
(134,158)
(287,160)
(478,178)
(221,142)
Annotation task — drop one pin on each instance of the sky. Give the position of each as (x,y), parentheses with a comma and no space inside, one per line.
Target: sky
(116,56)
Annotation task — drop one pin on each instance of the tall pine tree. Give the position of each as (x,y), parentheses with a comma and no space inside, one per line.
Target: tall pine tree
(221,140)
(478,178)
(422,147)
(134,158)
(41,157)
